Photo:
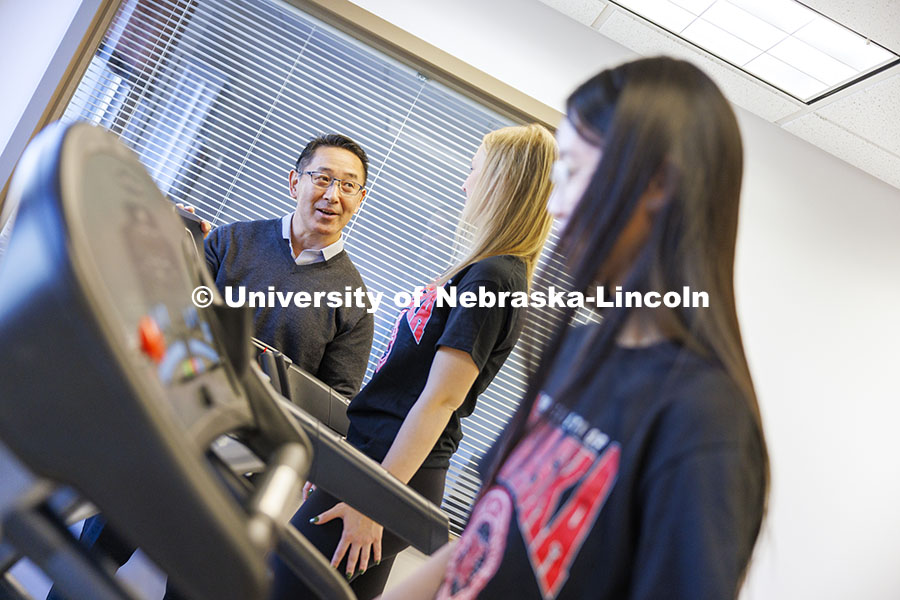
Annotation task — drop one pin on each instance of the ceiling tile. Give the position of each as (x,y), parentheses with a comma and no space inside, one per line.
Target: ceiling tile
(740,88)
(583,11)
(872,113)
(847,146)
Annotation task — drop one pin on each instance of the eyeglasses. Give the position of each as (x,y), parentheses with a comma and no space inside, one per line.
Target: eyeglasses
(324,180)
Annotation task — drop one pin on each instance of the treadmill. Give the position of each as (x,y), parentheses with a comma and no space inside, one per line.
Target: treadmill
(303,389)
(116,389)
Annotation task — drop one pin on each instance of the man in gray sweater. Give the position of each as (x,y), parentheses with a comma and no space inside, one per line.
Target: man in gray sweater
(303,252)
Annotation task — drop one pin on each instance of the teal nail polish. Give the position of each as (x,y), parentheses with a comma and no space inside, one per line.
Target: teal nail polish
(314,520)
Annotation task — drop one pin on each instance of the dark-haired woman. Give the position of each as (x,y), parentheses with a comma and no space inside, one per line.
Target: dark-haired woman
(636,466)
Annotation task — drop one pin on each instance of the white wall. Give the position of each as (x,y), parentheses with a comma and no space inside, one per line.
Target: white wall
(37,40)
(519,42)
(818,280)
(818,283)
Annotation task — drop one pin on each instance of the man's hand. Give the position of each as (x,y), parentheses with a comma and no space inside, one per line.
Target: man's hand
(360,541)
(205,226)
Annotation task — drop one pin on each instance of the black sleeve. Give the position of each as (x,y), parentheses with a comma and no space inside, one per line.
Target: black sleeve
(477,329)
(211,249)
(699,516)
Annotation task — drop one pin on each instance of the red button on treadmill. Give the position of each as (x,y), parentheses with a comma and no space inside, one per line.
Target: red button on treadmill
(153,343)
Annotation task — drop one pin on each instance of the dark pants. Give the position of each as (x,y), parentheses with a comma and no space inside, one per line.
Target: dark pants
(428,482)
(325,537)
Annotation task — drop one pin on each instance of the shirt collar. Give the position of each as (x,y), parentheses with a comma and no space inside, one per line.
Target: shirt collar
(310,256)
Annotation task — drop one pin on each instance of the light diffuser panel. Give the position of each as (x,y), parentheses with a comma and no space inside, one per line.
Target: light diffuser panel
(787,15)
(720,42)
(784,76)
(813,62)
(695,7)
(782,42)
(744,25)
(664,13)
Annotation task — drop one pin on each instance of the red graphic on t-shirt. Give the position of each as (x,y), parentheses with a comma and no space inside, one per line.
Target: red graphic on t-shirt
(547,464)
(480,549)
(417,317)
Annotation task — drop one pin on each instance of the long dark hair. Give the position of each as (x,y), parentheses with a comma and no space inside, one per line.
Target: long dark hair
(655,118)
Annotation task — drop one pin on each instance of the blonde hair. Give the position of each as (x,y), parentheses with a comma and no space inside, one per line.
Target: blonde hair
(507,207)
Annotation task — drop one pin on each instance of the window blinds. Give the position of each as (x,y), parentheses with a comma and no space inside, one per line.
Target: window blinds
(218,98)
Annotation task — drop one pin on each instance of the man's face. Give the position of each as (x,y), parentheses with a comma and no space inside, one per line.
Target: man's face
(323,212)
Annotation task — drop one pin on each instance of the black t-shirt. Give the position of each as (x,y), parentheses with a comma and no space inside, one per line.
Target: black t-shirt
(488,334)
(651,486)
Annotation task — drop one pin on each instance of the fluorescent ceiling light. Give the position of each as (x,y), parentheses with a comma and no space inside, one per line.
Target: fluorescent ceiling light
(812,62)
(782,42)
(665,13)
(786,15)
(782,75)
(695,7)
(720,42)
(744,25)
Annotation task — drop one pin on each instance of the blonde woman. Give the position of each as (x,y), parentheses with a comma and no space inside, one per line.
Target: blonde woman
(439,358)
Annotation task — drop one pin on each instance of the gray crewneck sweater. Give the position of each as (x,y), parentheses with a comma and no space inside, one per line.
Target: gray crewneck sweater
(331,343)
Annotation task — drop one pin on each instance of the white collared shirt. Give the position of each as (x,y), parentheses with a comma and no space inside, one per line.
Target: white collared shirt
(307,257)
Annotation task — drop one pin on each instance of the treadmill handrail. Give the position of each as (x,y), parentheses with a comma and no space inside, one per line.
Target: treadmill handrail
(303,388)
